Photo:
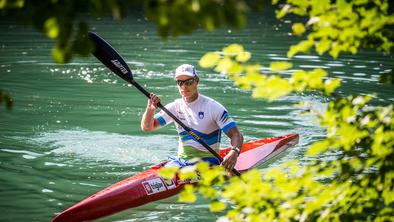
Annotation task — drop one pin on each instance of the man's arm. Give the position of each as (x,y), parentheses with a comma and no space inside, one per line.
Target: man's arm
(237,140)
(148,121)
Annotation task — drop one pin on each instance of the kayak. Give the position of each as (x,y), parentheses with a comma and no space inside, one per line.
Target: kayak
(148,186)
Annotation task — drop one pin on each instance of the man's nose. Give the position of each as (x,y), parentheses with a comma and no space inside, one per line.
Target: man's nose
(183,85)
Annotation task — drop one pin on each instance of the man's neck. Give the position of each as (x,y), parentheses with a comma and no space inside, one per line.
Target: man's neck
(191,99)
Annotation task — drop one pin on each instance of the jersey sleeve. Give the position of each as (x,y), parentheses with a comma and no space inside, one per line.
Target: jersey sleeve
(222,117)
(162,117)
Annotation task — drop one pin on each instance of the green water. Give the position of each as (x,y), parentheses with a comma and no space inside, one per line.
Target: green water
(74,129)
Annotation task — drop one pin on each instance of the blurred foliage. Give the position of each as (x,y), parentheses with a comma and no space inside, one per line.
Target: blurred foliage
(356,185)
(6,99)
(63,21)
(182,17)
(232,60)
(341,25)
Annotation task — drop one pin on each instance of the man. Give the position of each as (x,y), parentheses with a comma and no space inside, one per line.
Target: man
(203,115)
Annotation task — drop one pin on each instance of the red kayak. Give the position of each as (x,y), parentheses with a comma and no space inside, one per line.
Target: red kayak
(148,186)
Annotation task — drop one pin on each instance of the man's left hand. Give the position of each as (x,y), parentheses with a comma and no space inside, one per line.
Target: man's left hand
(230,160)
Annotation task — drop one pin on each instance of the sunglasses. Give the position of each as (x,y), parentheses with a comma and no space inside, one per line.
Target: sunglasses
(187,82)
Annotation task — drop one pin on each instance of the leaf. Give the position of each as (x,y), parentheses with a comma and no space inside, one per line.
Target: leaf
(168,172)
(273,88)
(243,57)
(315,78)
(52,27)
(208,191)
(224,65)
(235,69)
(318,147)
(58,54)
(280,66)
(233,49)
(322,46)
(188,172)
(187,195)
(298,28)
(209,60)
(330,85)
(302,46)
(217,206)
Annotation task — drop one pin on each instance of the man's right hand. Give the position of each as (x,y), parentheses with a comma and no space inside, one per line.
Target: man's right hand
(153,101)
(148,122)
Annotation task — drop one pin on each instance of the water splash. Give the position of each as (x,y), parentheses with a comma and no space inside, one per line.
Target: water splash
(104,146)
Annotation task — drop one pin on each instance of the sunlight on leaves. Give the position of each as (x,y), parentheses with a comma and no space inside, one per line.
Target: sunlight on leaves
(187,195)
(209,60)
(298,28)
(168,172)
(52,28)
(280,66)
(217,206)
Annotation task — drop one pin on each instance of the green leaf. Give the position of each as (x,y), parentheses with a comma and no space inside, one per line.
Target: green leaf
(233,49)
(224,65)
(209,60)
(298,28)
(330,85)
(208,191)
(322,46)
(318,147)
(273,88)
(187,195)
(243,57)
(188,172)
(168,172)
(52,27)
(217,206)
(302,46)
(280,66)
(58,54)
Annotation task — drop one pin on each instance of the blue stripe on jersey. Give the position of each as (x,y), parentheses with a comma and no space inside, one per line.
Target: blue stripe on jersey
(229,126)
(224,116)
(161,120)
(210,139)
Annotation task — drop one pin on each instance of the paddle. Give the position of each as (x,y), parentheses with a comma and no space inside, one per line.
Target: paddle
(110,58)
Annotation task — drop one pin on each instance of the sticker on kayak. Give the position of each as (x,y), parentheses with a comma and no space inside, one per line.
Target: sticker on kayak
(170,184)
(154,186)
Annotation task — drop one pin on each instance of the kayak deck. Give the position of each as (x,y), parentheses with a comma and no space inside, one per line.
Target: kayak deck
(148,186)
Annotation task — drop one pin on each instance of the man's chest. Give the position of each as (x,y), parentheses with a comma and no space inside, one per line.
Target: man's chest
(196,117)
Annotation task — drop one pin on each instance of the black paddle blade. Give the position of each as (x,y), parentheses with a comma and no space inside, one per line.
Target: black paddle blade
(109,57)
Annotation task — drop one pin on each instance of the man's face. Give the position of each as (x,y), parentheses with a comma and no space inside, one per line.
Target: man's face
(186,90)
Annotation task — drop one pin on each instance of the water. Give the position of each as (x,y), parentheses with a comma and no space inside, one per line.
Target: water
(74,129)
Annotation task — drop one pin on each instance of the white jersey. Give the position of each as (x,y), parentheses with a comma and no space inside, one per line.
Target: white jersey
(205,117)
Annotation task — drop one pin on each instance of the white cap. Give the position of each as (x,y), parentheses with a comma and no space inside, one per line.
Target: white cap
(185,70)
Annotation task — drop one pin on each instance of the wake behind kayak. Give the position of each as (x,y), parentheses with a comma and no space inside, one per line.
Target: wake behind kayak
(148,186)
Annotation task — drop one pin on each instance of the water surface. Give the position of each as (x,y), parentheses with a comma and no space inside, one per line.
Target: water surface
(74,129)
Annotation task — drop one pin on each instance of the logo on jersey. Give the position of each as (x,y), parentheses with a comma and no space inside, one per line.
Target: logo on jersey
(201,115)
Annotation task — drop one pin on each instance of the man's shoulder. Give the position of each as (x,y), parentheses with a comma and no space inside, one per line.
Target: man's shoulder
(211,101)
(207,99)
(212,104)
